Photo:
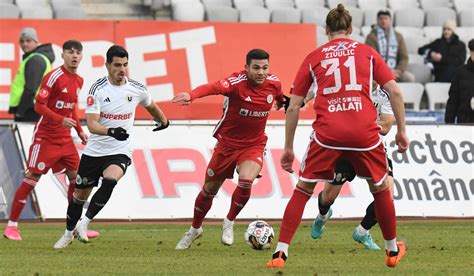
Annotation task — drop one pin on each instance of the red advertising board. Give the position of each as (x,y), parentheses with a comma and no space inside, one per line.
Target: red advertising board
(169,57)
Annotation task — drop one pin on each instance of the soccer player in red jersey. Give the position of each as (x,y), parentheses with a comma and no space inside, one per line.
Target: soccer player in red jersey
(250,95)
(52,146)
(346,128)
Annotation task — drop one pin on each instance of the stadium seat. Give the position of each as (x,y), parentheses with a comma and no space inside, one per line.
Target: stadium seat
(403,4)
(309,4)
(356,31)
(370,15)
(156,4)
(407,31)
(321,37)
(28,3)
(437,16)
(412,94)
(315,16)
(357,16)
(432,32)
(239,4)
(213,3)
(6,1)
(222,14)
(428,4)
(9,11)
(286,15)
(368,4)
(465,34)
(333,3)
(438,94)
(466,18)
(409,17)
(413,42)
(188,12)
(421,71)
(190,2)
(276,4)
(358,38)
(66,2)
(365,30)
(415,59)
(461,5)
(69,12)
(37,12)
(254,15)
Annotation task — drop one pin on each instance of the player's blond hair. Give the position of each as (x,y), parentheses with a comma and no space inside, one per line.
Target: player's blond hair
(338,19)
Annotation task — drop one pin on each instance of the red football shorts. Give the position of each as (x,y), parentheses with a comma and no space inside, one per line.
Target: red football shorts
(44,156)
(225,159)
(319,163)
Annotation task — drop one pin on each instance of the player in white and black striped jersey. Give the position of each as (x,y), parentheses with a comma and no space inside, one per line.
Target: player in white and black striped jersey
(110,113)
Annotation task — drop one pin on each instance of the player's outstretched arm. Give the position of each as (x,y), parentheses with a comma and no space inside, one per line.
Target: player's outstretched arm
(396,100)
(292,116)
(158,115)
(96,127)
(43,110)
(183,98)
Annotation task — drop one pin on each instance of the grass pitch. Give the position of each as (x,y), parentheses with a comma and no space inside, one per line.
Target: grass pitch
(434,247)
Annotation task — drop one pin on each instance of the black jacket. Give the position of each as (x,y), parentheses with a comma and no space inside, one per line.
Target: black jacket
(454,55)
(461,96)
(34,71)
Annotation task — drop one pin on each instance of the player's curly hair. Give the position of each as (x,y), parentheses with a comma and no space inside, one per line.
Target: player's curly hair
(338,19)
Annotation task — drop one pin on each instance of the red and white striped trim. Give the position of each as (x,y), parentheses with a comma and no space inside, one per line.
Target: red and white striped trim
(54,76)
(244,183)
(226,108)
(314,180)
(36,128)
(30,181)
(237,79)
(345,148)
(303,191)
(34,155)
(273,77)
(371,73)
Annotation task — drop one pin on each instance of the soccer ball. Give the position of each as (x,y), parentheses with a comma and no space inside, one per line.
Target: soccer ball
(259,235)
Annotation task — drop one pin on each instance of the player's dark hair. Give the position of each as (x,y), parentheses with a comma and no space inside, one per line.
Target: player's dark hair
(338,19)
(387,13)
(256,54)
(116,51)
(72,44)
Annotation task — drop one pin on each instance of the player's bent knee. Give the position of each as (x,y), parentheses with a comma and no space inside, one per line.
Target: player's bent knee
(108,183)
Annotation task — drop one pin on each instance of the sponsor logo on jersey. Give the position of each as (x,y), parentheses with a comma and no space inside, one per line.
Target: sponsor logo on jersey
(248,99)
(269,98)
(43,93)
(252,113)
(116,116)
(224,83)
(107,100)
(90,101)
(345,104)
(61,105)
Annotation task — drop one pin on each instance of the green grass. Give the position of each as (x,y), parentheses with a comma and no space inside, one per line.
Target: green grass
(435,247)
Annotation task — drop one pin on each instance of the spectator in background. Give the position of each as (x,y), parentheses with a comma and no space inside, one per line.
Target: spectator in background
(445,53)
(391,46)
(36,64)
(460,106)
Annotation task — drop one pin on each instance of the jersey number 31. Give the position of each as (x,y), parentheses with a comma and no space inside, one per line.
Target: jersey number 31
(336,71)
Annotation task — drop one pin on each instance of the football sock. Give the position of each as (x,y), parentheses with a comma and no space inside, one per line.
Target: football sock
(21,195)
(101,197)
(12,223)
(86,220)
(201,206)
(70,188)
(293,213)
(74,212)
(369,219)
(281,246)
(361,230)
(391,245)
(240,197)
(323,209)
(68,233)
(385,212)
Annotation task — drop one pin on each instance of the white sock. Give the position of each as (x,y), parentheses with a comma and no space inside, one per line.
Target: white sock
(193,230)
(281,246)
(12,223)
(391,245)
(361,230)
(68,233)
(86,220)
(227,221)
(323,217)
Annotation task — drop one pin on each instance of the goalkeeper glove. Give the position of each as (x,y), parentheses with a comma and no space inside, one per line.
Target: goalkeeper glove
(118,133)
(160,126)
(286,103)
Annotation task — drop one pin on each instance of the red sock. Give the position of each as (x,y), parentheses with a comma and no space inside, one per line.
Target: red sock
(293,214)
(201,206)
(70,189)
(385,213)
(240,197)
(21,195)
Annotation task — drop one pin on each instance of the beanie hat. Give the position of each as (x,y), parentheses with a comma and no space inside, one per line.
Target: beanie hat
(29,32)
(450,24)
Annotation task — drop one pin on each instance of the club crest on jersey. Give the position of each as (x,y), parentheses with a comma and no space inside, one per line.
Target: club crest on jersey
(90,101)
(41,165)
(225,83)
(43,93)
(269,98)
(129,98)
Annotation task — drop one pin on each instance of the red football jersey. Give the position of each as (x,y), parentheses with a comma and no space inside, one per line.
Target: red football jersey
(59,92)
(246,108)
(342,71)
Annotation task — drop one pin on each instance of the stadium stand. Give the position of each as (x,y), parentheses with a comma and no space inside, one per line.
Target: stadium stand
(466,17)
(409,17)
(276,4)
(254,15)
(427,4)
(333,3)
(437,93)
(239,4)
(315,16)
(437,16)
(412,94)
(8,10)
(403,4)
(188,11)
(214,3)
(222,14)
(309,4)
(357,16)
(421,71)
(286,15)
(37,12)
(370,15)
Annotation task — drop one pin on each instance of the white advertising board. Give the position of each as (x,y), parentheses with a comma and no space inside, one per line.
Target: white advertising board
(433,178)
